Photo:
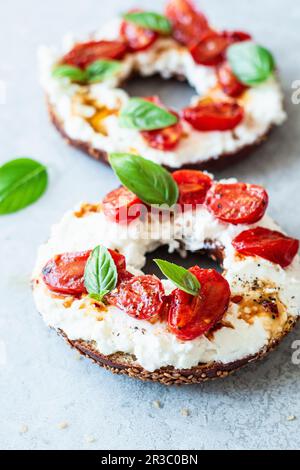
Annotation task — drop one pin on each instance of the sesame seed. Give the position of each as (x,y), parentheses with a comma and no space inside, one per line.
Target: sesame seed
(89,439)
(23,429)
(156,404)
(185,412)
(291,418)
(63,425)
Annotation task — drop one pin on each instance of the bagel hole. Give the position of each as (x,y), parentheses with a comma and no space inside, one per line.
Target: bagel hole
(201,259)
(174,93)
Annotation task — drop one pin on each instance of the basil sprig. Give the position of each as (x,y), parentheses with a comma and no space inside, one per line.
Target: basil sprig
(149,20)
(97,71)
(147,180)
(145,116)
(181,277)
(100,275)
(22,182)
(251,64)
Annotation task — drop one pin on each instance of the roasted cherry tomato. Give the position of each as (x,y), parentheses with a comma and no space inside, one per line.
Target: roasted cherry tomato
(229,82)
(193,186)
(141,297)
(122,206)
(236,36)
(137,38)
(210,50)
(189,25)
(84,54)
(192,316)
(163,139)
(237,203)
(268,244)
(64,273)
(214,116)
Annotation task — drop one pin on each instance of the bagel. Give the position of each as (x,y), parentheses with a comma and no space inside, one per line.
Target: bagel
(137,329)
(89,113)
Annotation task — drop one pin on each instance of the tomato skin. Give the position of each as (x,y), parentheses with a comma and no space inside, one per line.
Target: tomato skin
(137,38)
(141,297)
(122,206)
(84,54)
(229,82)
(188,24)
(237,203)
(193,186)
(210,50)
(268,244)
(192,316)
(64,273)
(214,116)
(236,36)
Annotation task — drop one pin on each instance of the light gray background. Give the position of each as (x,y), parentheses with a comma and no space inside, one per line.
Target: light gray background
(42,383)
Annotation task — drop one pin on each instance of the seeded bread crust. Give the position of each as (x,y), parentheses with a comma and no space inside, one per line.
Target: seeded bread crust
(212,164)
(125,364)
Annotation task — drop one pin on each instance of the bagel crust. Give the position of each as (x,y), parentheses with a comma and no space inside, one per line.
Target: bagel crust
(124,364)
(87,116)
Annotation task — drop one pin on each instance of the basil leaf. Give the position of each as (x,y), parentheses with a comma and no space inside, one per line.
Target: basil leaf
(101,70)
(100,275)
(149,181)
(149,20)
(251,63)
(75,74)
(22,182)
(181,277)
(143,115)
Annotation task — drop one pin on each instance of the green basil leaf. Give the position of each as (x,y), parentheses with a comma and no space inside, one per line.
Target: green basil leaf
(251,63)
(75,74)
(181,277)
(150,20)
(145,116)
(149,181)
(100,275)
(22,182)
(100,70)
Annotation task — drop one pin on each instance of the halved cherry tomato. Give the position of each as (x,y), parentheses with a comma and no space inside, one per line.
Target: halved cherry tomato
(122,206)
(84,54)
(141,297)
(137,38)
(192,316)
(268,244)
(229,82)
(64,273)
(237,203)
(236,36)
(214,116)
(163,139)
(193,186)
(210,50)
(189,25)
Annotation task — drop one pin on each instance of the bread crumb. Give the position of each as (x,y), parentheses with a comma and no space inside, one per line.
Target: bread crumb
(156,404)
(185,412)
(89,439)
(63,425)
(291,418)
(23,429)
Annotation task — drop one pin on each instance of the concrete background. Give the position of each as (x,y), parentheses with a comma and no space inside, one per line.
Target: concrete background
(41,383)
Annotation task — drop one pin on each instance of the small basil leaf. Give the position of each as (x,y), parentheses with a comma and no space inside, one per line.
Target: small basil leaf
(251,63)
(22,182)
(143,115)
(181,277)
(101,70)
(100,275)
(147,180)
(150,20)
(75,74)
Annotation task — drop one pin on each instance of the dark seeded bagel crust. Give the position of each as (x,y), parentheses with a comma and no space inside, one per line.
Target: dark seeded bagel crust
(125,364)
(212,164)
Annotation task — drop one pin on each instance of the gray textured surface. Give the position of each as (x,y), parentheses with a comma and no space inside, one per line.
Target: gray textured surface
(42,383)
